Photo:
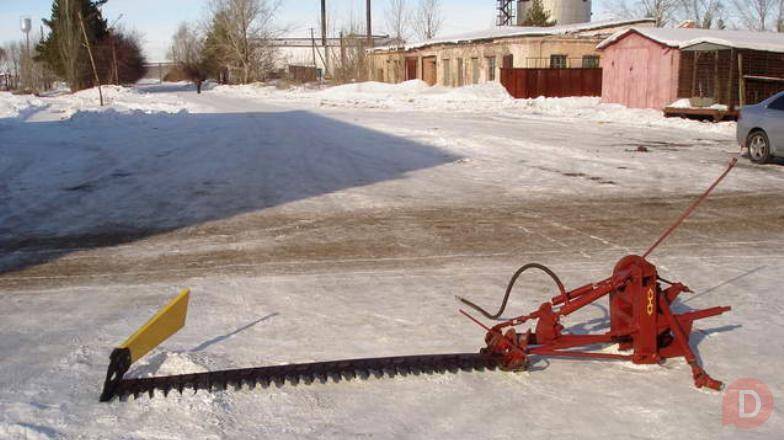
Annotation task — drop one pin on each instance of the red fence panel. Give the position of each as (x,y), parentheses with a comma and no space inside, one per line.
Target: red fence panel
(555,83)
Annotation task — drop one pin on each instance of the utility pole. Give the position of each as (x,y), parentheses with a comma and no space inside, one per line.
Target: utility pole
(313,41)
(369,24)
(324,36)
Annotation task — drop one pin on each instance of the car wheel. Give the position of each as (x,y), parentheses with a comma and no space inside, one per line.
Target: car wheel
(759,147)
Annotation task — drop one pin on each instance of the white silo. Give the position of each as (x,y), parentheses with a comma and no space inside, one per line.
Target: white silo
(562,11)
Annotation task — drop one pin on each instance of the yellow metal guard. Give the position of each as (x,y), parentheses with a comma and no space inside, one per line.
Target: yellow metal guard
(163,324)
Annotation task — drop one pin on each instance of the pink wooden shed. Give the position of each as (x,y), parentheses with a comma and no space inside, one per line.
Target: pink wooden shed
(639,72)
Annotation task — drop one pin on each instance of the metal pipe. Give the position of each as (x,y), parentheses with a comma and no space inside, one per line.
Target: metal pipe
(586,299)
(691,208)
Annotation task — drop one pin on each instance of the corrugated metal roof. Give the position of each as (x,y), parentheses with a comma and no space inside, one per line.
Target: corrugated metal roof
(516,31)
(685,38)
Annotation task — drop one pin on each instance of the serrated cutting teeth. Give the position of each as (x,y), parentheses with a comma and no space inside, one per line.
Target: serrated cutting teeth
(295,374)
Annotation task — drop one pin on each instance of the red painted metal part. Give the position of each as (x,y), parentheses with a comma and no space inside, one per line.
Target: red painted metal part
(641,322)
(641,319)
(533,82)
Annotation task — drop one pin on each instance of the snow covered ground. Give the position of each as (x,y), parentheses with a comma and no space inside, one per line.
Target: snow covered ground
(479,98)
(323,224)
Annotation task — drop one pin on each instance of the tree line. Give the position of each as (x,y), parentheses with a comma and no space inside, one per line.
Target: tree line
(413,19)
(755,15)
(78,47)
(233,44)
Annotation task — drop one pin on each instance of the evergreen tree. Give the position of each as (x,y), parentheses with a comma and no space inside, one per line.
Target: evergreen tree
(215,59)
(64,50)
(537,16)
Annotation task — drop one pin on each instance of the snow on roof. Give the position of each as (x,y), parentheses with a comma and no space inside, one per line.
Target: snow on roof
(517,31)
(685,38)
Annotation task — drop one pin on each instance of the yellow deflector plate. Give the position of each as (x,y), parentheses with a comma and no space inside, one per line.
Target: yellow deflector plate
(164,324)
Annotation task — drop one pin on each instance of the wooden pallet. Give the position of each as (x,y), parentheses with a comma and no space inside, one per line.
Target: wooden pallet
(701,113)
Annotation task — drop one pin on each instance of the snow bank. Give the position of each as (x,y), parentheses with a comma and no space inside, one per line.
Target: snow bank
(117,100)
(17,106)
(372,87)
(489,98)
(591,108)
(487,92)
(123,100)
(402,96)
(414,91)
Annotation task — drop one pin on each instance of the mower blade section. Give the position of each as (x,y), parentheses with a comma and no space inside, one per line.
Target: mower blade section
(305,373)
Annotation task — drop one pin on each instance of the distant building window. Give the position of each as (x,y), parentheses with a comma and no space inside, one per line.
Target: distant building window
(558,61)
(447,74)
(491,68)
(460,72)
(591,61)
(475,70)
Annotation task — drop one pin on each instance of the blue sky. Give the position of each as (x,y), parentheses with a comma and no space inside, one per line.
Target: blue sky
(158,19)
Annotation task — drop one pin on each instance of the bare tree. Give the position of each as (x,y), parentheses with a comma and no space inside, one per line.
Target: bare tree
(397,18)
(755,14)
(428,19)
(351,61)
(13,59)
(13,56)
(242,31)
(186,52)
(3,68)
(663,11)
(705,13)
(70,43)
(780,21)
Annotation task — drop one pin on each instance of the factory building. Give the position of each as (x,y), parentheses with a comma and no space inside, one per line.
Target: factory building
(477,57)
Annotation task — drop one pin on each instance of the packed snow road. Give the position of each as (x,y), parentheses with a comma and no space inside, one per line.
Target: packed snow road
(314,227)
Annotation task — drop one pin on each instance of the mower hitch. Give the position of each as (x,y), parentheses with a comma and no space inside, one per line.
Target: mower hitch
(641,322)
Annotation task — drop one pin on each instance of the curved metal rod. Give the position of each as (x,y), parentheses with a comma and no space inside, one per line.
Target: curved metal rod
(509,287)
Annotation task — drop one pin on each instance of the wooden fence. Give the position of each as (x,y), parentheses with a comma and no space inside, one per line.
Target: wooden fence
(303,74)
(555,83)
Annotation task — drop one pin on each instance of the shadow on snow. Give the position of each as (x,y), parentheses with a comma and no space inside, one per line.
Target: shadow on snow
(111,178)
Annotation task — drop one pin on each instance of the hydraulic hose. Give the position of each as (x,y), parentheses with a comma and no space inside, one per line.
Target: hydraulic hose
(509,287)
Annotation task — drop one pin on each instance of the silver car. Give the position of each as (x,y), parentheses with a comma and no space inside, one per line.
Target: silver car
(761,129)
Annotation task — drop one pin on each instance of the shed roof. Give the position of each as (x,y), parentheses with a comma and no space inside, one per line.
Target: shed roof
(695,39)
(517,31)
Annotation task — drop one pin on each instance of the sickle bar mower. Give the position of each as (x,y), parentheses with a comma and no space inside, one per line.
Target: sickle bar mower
(642,324)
